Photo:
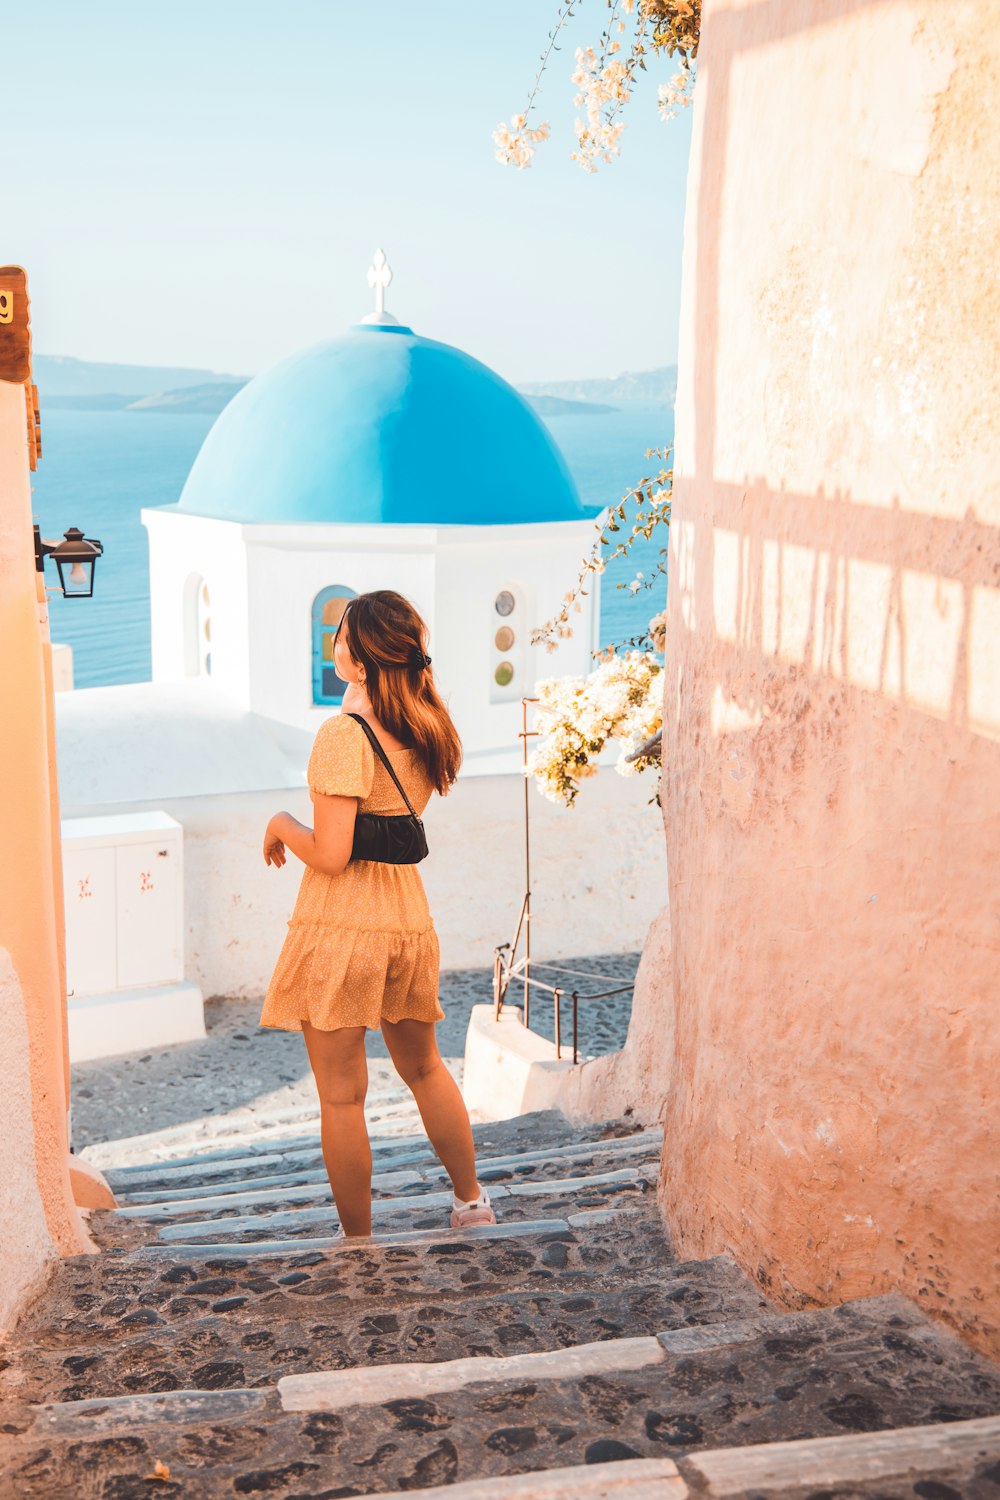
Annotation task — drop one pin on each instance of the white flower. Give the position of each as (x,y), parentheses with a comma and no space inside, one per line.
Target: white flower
(676,95)
(515,144)
(621,699)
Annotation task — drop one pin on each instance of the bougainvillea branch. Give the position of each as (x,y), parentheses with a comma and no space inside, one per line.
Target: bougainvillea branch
(652,496)
(605,76)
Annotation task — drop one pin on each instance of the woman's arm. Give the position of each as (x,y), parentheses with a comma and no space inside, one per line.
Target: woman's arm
(328,847)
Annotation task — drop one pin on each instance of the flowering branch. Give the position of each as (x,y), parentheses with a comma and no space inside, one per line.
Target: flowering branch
(516,143)
(620,700)
(655,491)
(605,81)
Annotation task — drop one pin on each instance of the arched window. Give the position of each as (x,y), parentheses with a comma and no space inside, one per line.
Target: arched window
(327,613)
(197,627)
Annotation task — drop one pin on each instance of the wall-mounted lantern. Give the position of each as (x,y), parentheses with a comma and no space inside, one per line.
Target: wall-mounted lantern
(76,557)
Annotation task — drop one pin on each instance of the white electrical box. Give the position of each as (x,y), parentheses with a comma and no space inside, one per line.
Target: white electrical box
(123,881)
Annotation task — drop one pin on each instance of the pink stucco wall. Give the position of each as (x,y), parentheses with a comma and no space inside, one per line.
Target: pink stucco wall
(832,727)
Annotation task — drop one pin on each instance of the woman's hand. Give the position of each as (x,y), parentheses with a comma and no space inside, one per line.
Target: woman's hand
(274,848)
(328,849)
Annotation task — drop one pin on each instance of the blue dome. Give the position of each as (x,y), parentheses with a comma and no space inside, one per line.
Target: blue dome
(381,425)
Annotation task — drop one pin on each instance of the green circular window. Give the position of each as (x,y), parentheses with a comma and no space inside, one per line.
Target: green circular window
(504,603)
(504,674)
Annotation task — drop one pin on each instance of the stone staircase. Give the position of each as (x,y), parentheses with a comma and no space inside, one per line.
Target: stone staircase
(227,1343)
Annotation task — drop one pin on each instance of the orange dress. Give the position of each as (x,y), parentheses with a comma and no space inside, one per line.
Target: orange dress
(360,946)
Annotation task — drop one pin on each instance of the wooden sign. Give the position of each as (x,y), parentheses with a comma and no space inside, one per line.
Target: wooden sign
(15,328)
(34,423)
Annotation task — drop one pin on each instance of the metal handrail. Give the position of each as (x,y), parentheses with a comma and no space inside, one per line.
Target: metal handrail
(507,967)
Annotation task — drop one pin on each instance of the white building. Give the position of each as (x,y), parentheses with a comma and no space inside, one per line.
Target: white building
(380,459)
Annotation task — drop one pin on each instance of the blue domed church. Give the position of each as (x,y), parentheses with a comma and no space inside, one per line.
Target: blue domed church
(379,459)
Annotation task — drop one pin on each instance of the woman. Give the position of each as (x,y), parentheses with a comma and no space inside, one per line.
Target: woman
(361,950)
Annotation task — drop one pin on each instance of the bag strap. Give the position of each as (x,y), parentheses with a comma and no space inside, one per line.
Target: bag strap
(373,740)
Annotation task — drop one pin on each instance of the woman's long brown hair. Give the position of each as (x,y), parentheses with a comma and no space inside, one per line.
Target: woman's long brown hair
(388,638)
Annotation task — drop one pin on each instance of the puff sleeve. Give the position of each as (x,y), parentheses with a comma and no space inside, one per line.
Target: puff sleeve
(342,763)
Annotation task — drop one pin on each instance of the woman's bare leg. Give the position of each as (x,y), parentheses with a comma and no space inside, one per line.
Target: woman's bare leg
(341,1071)
(413,1048)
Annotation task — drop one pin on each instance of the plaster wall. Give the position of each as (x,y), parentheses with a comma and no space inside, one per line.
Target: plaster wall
(832,716)
(262,581)
(180,548)
(285,576)
(27,1249)
(38,1217)
(598,875)
(538,564)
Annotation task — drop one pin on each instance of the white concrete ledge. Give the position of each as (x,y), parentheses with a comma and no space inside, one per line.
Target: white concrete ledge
(896,1454)
(510,1070)
(270,1249)
(335,1390)
(632,1479)
(106,1416)
(134,1020)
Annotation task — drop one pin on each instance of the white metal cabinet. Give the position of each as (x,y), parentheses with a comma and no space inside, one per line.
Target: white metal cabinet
(148,877)
(124,900)
(90,884)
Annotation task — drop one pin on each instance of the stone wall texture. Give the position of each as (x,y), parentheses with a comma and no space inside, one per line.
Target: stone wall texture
(832,726)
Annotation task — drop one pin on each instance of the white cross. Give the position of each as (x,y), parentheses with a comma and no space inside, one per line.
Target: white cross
(379,277)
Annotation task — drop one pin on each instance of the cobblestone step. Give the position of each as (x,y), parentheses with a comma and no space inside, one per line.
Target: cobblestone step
(427,1210)
(194,1326)
(416,1160)
(513,1227)
(744,1406)
(245,1127)
(386,1187)
(230,1342)
(943,1460)
(139,1155)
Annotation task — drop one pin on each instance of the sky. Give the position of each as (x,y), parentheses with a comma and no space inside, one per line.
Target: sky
(205,184)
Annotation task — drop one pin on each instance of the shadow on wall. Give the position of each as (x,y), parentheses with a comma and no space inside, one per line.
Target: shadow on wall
(832,722)
(837,591)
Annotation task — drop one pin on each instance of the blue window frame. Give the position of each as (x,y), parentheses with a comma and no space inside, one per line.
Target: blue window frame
(327,613)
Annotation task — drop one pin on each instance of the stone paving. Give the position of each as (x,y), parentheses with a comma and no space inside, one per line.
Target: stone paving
(262,1362)
(243,1071)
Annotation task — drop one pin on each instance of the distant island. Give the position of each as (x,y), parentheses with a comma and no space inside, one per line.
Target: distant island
(86,385)
(650,387)
(59,375)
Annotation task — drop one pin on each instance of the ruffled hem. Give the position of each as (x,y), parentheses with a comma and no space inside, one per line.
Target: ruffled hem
(336,976)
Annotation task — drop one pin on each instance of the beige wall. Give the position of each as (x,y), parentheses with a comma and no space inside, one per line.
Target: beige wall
(38,1217)
(832,736)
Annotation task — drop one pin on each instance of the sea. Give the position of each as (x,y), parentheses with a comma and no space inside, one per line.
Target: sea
(100,468)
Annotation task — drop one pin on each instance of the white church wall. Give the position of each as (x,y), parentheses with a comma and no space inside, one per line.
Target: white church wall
(183,550)
(286,568)
(537,564)
(262,581)
(598,874)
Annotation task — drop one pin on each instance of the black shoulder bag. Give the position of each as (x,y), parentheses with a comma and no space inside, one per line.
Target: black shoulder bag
(396,839)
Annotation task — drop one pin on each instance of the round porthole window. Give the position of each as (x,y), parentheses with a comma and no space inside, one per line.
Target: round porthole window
(504,674)
(504,602)
(504,638)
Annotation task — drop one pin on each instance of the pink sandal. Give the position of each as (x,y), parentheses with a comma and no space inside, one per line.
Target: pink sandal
(479,1212)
